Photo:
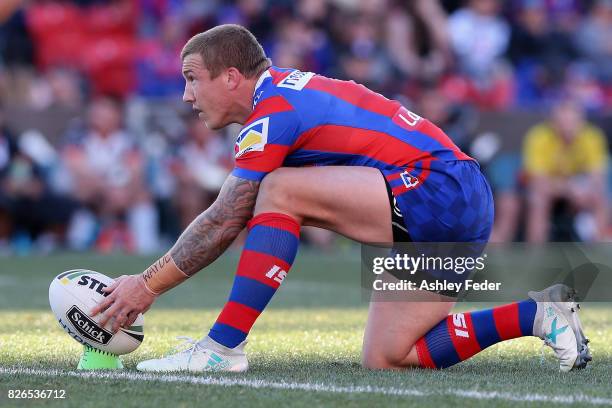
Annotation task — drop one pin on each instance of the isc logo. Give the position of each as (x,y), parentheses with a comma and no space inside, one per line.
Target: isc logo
(277,274)
(460,324)
(94,284)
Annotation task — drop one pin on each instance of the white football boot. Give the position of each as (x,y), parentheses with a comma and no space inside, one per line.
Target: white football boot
(205,355)
(556,322)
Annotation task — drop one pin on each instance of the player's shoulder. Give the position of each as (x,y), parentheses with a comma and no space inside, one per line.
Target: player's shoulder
(290,79)
(276,95)
(288,83)
(269,96)
(274,118)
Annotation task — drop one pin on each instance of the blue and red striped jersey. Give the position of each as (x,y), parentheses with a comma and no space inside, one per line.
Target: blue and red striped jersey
(304,119)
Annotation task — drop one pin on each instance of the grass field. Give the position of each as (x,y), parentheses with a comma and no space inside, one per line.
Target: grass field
(304,350)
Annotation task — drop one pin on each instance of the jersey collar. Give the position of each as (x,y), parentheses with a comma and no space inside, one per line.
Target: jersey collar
(257,92)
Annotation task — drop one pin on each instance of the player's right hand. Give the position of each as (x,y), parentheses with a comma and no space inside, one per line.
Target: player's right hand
(128,297)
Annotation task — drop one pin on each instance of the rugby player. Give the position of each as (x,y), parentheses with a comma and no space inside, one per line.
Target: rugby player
(331,154)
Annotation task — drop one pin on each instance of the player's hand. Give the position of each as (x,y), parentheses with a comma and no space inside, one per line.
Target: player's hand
(127,297)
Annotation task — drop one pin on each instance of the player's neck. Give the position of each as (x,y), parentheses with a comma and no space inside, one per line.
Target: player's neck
(244,102)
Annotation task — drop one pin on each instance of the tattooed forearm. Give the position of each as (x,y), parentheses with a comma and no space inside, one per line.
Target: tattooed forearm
(209,235)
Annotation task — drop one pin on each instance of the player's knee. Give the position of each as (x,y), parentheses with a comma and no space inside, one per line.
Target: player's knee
(275,192)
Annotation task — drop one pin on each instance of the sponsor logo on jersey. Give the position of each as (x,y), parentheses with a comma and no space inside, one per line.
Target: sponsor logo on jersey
(253,137)
(296,80)
(87,327)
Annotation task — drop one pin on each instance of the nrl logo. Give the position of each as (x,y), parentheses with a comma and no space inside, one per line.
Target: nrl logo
(87,327)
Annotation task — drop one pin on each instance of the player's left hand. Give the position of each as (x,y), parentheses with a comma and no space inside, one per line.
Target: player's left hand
(127,297)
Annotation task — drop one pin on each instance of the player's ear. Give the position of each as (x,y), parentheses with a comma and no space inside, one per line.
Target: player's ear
(234,77)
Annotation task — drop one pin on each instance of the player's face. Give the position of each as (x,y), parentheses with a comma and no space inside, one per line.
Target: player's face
(209,97)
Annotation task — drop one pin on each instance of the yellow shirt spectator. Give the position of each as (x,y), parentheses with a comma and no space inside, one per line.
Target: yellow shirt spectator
(545,152)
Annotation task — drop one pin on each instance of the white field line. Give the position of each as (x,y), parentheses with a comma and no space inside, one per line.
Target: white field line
(312,387)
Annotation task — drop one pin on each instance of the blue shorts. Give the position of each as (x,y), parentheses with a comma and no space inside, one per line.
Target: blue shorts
(452,203)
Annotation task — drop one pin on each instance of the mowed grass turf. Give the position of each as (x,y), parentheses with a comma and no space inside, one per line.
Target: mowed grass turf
(304,350)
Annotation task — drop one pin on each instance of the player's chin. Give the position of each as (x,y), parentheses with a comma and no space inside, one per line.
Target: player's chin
(213,124)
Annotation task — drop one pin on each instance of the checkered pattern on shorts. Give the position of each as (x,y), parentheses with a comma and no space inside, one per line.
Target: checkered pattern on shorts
(453,204)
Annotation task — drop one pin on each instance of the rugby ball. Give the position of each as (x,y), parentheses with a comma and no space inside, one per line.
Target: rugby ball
(72,295)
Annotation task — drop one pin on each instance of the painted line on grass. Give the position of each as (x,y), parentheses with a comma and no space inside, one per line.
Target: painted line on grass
(312,387)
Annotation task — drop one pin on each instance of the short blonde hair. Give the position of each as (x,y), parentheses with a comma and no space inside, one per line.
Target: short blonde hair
(225,46)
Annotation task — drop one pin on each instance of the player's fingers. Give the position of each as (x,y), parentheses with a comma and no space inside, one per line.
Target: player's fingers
(131,318)
(111,312)
(102,306)
(119,320)
(114,285)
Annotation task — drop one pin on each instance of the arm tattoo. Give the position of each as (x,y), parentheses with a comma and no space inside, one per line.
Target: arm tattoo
(209,235)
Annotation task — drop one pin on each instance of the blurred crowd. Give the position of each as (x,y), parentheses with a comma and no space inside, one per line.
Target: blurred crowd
(98,152)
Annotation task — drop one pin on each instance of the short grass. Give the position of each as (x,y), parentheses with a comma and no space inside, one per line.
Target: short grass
(311,334)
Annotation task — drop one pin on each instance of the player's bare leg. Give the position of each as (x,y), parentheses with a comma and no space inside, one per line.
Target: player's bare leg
(393,328)
(353,201)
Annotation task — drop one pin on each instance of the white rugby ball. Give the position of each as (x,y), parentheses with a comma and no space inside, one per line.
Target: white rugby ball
(72,295)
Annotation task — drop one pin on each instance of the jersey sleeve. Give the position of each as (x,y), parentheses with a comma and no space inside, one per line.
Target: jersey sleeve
(265,140)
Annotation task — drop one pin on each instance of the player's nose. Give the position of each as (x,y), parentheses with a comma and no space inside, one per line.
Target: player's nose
(188,95)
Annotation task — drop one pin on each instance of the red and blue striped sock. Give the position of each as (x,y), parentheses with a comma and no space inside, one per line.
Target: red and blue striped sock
(268,253)
(462,335)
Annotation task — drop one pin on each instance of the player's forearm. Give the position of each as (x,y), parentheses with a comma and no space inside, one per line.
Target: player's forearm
(207,237)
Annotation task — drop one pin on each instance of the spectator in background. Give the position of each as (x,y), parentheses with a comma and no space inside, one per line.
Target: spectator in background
(159,75)
(539,53)
(29,210)
(594,39)
(566,159)
(300,44)
(479,38)
(417,39)
(204,162)
(363,57)
(249,13)
(107,171)
(54,103)
(8,148)
(16,48)
(581,84)
(314,12)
